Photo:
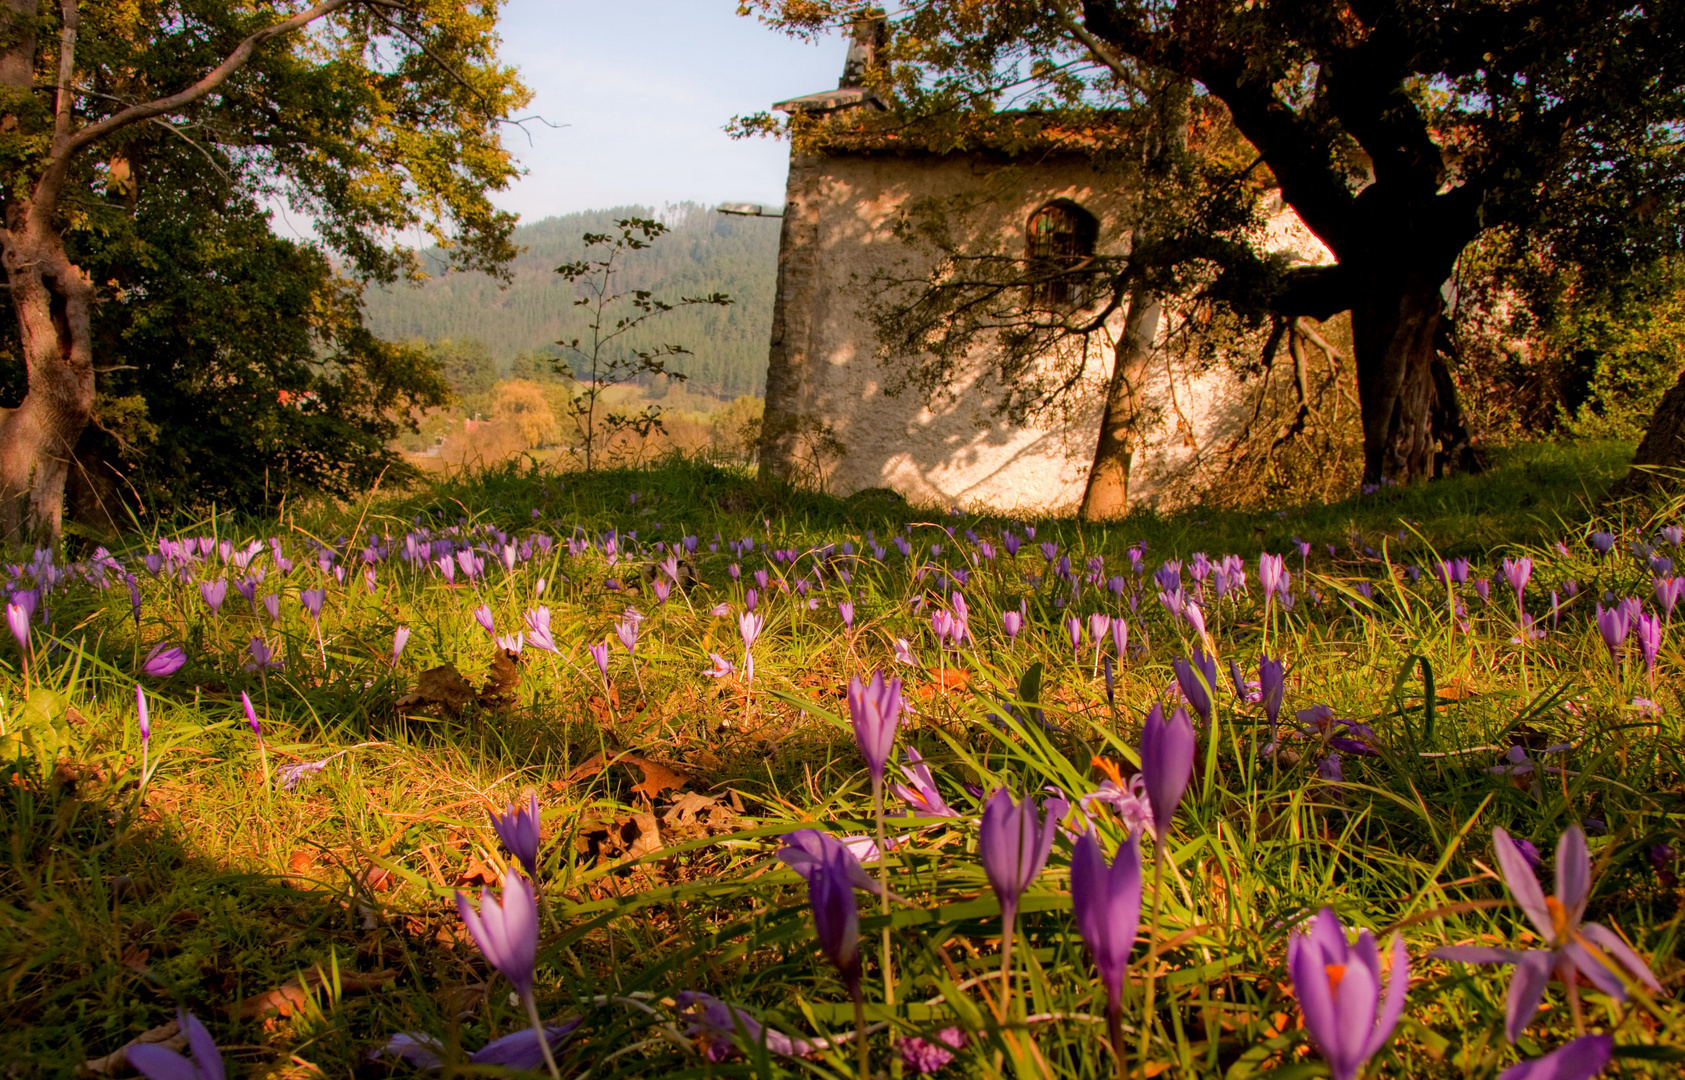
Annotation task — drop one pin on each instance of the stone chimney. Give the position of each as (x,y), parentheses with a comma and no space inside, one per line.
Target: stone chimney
(871,36)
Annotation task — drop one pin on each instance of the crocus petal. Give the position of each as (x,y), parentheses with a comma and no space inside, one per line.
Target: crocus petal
(1579,1060)
(1478,954)
(521,1050)
(420,1050)
(1573,873)
(1609,942)
(1398,983)
(1309,971)
(1526,989)
(1354,1004)
(1522,884)
(161,1063)
(1576,957)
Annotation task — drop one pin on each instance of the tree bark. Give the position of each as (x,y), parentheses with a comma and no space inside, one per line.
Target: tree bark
(53,300)
(1394,326)
(1107,493)
(1662,448)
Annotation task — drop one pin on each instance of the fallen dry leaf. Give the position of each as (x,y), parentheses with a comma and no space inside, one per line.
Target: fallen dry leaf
(502,679)
(657,777)
(116,1063)
(134,957)
(290,996)
(439,687)
(641,835)
(477,873)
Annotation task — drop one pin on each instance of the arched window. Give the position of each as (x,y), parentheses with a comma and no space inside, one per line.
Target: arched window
(1059,242)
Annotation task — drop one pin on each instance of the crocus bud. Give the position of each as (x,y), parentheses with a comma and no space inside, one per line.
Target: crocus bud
(1167,758)
(142,715)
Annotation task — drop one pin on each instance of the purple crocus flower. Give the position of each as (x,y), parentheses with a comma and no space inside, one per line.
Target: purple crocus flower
(1167,761)
(1106,901)
(506,932)
(1669,591)
(627,629)
(919,792)
(142,715)
(1341,995)
(483,616)
(519,1050)
(163,661)
(1272,682)
(251,714)
(214,593)
(1120,637)
(1012,622)
(1603,542)
(1613,625)
(1270,573)
(1014,844)
(263,657)
(599,653)
(157,1062)
(874,709)
(1073,626)
(806,850)
(272,605)
(312,599)
(1648,630)
(538,630)
(1517,572)
(721,1028)
(518,828)
(846,610)
(836,913)
(922,1057)
(1196,677)
(400,638)
(1574,947)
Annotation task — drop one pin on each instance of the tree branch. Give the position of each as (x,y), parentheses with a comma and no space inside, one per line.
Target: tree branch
(67,72)
(214,78)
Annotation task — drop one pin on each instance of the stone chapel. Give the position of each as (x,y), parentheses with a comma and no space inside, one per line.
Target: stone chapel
(829,420)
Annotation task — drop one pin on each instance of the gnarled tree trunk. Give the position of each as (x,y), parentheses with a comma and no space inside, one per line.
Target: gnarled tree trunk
(1394,327)
(52,298)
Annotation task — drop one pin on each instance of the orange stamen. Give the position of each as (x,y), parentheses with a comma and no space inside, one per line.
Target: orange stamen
(1558,915)
(1336,972)
(1110,768)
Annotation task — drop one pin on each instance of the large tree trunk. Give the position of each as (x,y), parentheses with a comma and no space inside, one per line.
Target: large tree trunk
(1395,320)
(1661,449)
(53,300)
(1107,493)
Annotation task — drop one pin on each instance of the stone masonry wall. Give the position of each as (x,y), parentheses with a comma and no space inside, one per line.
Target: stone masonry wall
(829,421)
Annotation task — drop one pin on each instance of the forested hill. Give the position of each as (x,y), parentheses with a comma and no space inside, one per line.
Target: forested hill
(706,252)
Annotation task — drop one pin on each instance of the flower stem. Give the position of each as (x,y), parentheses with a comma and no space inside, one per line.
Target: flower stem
(883,899)
(1152,951)
(858,993)
(1114,1028)
(543,1036)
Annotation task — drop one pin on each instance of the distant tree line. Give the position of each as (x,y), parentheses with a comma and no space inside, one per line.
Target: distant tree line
(519,326)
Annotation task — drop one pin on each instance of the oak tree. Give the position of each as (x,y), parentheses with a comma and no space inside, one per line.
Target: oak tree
(366,118)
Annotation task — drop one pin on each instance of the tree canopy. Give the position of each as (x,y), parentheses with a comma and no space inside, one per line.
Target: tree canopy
(146,146)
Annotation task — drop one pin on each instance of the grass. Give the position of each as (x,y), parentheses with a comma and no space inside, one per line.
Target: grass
(306,926)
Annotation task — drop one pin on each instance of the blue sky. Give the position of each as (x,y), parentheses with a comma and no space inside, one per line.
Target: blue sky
(645,88)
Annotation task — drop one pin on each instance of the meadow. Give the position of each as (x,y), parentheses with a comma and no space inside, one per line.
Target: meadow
(276,776)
